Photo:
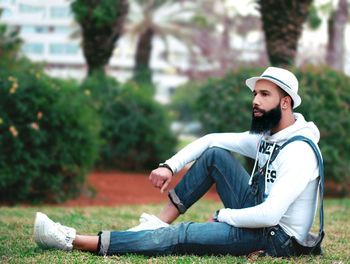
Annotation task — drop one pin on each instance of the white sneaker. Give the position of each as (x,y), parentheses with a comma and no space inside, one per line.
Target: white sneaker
(148,222)
(48,234)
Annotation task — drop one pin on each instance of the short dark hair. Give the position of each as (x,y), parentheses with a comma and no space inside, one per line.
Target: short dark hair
(283,93)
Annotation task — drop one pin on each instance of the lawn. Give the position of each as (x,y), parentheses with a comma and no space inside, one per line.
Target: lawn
(18,246)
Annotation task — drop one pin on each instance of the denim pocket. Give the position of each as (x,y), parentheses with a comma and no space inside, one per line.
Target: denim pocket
(280,243)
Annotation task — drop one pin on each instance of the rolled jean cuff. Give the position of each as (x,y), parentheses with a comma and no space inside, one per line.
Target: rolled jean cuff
(103,242)
(176,201)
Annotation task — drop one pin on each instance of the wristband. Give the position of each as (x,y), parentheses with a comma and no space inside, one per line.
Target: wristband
(216,215)
(164,165)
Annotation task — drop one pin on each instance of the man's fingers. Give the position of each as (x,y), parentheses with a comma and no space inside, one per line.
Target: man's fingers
(160,183)
(154,179)
(160,178)
(165,186)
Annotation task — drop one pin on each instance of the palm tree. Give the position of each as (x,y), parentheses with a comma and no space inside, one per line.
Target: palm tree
(282,24)
(150,18)
(216,45)
(336,26)
(101,24)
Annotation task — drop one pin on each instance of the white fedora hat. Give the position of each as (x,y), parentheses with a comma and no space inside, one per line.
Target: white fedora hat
(284,79)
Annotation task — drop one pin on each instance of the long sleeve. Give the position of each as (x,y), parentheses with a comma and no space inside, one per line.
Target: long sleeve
(297,168)
(243,143)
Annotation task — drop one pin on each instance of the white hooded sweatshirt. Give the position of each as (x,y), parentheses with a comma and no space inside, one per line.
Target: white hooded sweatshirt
(291,182)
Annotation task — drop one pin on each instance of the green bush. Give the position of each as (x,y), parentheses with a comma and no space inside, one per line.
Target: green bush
(48,138)
(225,105)
(135,129)
(326,101)
(182,105)
(10,45)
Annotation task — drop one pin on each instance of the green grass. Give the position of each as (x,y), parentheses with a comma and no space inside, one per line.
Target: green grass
(17,244)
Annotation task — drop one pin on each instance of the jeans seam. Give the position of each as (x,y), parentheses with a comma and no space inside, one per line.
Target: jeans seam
(193,190)
(233,193)
(211,167)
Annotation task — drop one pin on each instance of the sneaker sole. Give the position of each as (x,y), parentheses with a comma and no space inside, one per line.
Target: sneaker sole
(38,229)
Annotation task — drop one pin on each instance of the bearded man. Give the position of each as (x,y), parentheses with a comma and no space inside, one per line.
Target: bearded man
(270,211)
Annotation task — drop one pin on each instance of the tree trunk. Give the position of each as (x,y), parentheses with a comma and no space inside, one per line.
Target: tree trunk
(282,23)
(142,71)
(224,52)
(99,35)
(336,27)
(98,49)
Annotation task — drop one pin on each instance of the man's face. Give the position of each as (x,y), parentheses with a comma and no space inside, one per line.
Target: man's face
(266,107)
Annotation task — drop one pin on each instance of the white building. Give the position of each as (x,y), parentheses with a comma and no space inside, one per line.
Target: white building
(46,28)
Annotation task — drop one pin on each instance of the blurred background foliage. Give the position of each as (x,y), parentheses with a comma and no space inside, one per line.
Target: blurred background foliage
(135,129)
(54,131)
(48,137)
(326,101)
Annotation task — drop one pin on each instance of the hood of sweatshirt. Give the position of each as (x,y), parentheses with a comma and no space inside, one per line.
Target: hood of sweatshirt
(300,127)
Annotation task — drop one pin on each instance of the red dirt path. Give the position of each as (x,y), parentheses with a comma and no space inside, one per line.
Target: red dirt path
(120,188)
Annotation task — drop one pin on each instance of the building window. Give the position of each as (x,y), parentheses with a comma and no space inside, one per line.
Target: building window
(41,29)
(63,48)
(29,29)
(6,13)
(26,29)
(33,48)
(7,2)
(56,49)
(29,9)
(72,49)
(61,30)
(60,12)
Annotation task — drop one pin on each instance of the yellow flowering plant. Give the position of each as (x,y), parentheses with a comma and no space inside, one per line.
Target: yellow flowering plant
(49,137)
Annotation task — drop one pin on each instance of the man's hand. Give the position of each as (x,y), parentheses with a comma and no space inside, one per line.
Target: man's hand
(161,178)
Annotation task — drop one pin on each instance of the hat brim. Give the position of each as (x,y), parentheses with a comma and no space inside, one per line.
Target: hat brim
(295,97)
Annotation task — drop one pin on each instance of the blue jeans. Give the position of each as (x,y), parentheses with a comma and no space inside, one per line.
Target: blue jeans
(215,166)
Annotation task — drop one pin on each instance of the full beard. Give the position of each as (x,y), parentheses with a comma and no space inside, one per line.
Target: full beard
(267,121)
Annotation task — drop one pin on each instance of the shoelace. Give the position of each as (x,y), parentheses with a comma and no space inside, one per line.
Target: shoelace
(63,233)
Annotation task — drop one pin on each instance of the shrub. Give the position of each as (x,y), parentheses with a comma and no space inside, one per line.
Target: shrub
(183,105)
(135,129)
(326,101)
(10,45)
(225,104)
(48,137)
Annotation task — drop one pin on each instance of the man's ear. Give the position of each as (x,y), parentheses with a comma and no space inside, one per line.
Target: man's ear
(286,102)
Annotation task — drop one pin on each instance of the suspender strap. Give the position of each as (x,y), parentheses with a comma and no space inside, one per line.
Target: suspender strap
(320,166)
